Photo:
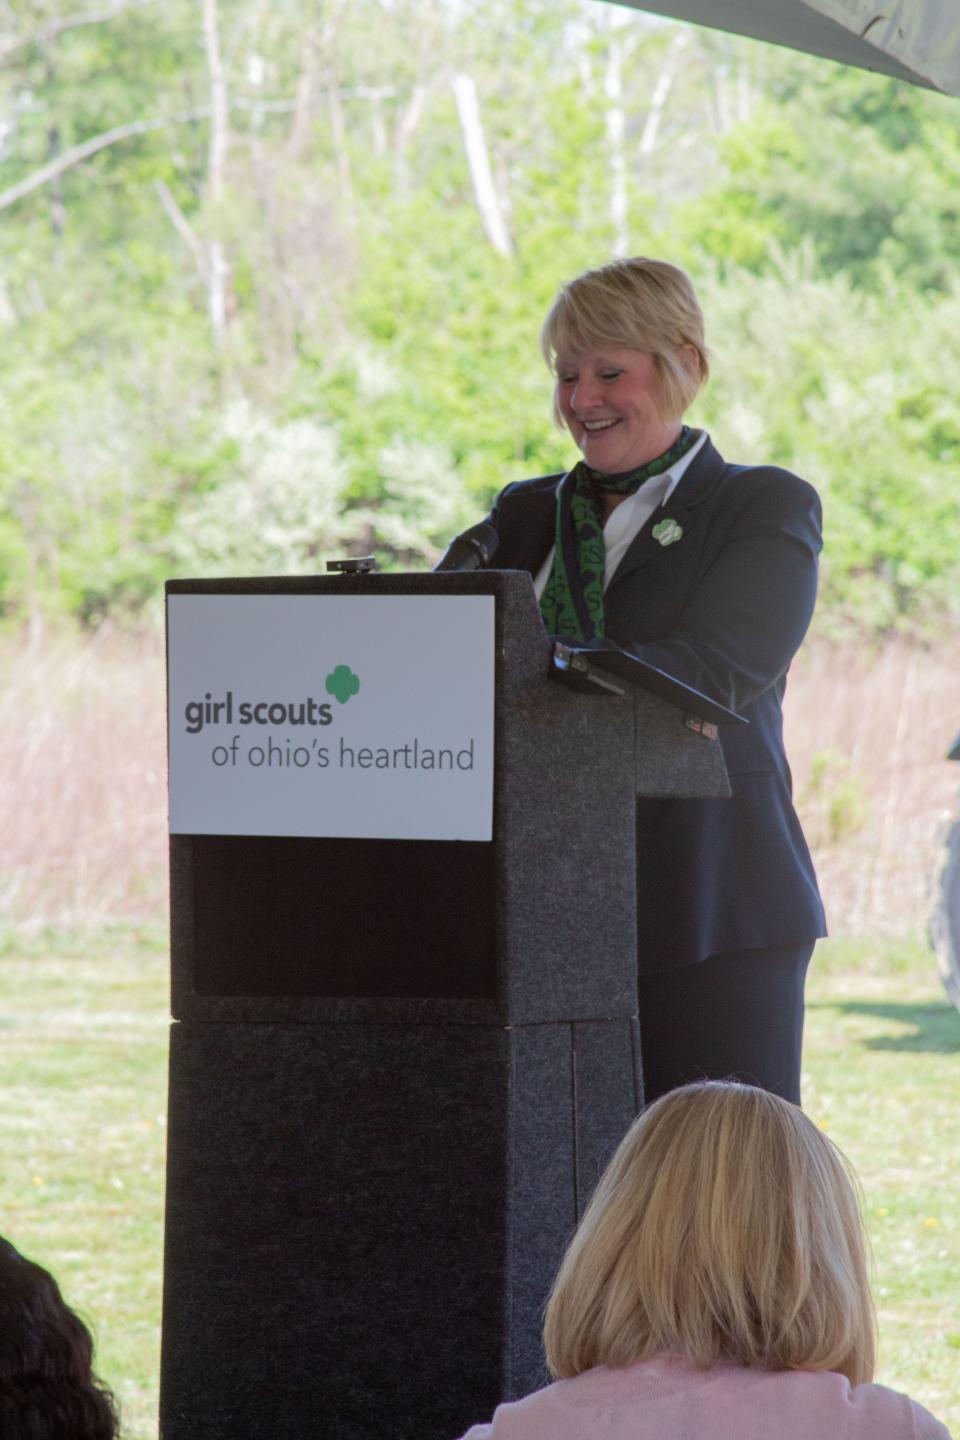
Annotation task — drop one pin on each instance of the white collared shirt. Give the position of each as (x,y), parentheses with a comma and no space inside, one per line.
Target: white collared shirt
(625,522)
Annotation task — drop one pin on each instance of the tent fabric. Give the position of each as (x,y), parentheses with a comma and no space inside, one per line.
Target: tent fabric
(913,40)
(924,35)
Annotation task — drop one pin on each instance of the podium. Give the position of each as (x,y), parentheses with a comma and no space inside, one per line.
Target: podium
(397,1067)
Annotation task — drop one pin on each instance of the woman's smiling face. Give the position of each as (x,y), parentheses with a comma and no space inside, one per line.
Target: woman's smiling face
(609,399)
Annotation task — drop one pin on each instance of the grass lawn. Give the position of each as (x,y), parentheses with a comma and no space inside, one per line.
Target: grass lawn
(882,1077)
(83,1045)
(83,1074)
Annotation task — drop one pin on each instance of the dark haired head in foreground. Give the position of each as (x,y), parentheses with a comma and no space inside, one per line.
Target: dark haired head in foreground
(48,1390)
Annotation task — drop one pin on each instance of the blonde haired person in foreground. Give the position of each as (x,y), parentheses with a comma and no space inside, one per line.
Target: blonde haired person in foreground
(716,1289)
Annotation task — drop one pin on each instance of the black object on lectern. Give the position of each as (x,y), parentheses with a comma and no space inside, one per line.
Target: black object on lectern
(602,664)
(398,1067)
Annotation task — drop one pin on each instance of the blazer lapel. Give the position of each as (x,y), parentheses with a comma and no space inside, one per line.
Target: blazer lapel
(698,481)
(526,538)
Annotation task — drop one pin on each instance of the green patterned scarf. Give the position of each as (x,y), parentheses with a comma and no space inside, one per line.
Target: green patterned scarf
(572,600)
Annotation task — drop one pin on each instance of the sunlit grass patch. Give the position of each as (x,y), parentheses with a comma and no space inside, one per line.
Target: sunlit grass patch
(83,1046)
(83,1070)
(882,1074)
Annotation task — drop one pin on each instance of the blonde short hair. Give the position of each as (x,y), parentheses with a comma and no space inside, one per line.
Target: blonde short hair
(725,1226)
(645,304)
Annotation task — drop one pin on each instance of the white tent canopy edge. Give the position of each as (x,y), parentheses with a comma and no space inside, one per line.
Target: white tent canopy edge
(913,40)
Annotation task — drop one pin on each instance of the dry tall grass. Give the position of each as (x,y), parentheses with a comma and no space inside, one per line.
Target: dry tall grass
(867,732)
(82,778)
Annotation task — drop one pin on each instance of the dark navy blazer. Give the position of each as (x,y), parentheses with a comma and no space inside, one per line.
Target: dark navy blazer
(723,608)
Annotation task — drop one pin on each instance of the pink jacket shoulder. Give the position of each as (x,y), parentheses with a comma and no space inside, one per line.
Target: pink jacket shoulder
(665,1399)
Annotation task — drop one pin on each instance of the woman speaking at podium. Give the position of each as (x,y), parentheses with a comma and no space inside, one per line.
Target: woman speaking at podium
(708,571)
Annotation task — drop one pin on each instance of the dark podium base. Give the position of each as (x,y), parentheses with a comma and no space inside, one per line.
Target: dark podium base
(398,1067)
(311,1165)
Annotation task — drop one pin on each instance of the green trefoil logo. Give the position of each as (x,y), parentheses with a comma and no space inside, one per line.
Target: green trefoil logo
(341,683)
(667,532)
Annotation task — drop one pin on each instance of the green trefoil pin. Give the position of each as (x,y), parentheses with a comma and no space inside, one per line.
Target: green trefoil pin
(667,532)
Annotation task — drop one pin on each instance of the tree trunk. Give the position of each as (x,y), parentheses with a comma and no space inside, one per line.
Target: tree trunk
(8,315)
(338,128)
(406,126)
(218,269)
(661,93)
(616,121)
(58,211)
(306,91)
(744,92)
(319,52)
(475,144)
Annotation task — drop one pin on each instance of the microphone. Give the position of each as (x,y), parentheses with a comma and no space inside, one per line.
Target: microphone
(473,550)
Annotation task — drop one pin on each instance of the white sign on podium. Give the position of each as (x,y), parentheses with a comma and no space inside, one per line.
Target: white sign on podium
(327,715)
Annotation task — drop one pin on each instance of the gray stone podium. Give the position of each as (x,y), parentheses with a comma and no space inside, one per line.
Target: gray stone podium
(398,1067)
